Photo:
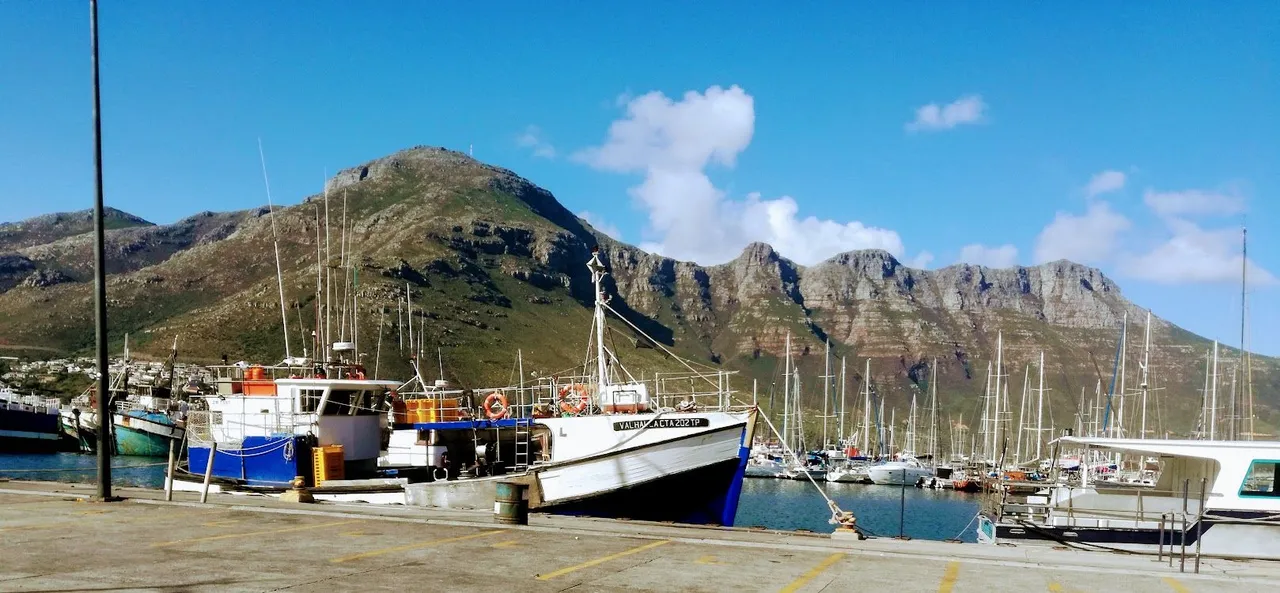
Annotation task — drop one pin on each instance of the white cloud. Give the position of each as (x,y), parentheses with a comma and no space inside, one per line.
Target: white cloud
(600,224)
(921,261)
(1105,182)
(1193,202)
(532,139)
(1004,256)
(1193,255)
(965,110)
(672,143)
(1086,238)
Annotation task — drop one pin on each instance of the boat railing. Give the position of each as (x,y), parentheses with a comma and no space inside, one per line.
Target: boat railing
(1149,506)
(245,371)
(29,403)
(230,430)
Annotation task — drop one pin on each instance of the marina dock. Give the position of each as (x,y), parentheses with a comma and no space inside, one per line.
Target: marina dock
(53,538)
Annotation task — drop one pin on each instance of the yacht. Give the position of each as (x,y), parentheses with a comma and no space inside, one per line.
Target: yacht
(905,472)
(1219,496)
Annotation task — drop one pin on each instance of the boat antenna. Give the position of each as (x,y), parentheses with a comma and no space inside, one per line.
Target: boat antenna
(275,242)
(440,361)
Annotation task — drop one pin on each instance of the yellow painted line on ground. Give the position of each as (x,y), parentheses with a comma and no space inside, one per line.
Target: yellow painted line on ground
(813,573)
(219,523)
(707,560)
(1175,585)
(407,547)
(251,533)
(353,534)
(507,544)
(1055,588)
(949,577)
(602,560)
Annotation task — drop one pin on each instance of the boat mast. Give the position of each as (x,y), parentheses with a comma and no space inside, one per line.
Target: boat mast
(316,337)
(1146,370)
(995,426)
(1204,399)
(910,442)
(1040,408)
(984,427)
(933,412)
(275,242)
(843,388)
(866,408)
(328,279)
(1213,397)
(597,278)
(826,393)
(786,394)
(1247,382)
(1022,414)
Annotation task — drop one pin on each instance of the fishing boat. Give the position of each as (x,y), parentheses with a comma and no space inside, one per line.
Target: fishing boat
(600,444)
(1219,496)
(145,425)
(29,424)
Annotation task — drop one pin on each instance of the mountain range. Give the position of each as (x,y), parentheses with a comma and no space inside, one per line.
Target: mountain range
(495,265)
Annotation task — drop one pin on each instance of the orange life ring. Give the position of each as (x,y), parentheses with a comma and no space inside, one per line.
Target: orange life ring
(489,406)
(566,398)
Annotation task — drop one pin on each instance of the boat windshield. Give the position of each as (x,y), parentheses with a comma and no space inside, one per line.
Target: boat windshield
(354,402)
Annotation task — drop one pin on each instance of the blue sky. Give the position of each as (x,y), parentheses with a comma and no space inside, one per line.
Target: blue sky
(1134,138)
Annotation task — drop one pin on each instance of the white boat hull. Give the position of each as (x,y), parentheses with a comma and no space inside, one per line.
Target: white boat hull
(898,476)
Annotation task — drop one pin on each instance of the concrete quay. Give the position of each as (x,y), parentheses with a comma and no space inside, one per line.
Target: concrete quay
(53,538)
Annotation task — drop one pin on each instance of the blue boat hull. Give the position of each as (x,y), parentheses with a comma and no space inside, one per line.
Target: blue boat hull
(260,461)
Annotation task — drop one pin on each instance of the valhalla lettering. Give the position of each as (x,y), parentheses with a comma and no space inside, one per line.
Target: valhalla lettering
(662,423)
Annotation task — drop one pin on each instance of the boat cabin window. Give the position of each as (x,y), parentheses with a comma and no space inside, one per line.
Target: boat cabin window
(1261,479)
(309,399)
(345,402)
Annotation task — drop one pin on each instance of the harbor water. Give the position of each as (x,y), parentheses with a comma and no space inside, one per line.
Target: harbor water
(772,504)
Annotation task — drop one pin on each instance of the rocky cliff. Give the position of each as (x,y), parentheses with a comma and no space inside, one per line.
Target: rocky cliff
(494,264)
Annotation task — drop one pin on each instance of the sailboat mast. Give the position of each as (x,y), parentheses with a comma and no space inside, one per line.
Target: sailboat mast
(1146,375)
(786,393)
(328,277)
(984,427)
(1022,414)
(1213,397)
(826,393)
(1204,399)
(1247,382)
(1040,408)
(1124,354)
(866,408)
(843,388)
(995,426)
(933,412)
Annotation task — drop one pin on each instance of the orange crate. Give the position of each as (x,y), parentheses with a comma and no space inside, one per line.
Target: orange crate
(328,460)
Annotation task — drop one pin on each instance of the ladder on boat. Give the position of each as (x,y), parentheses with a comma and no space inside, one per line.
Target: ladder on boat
(523,441)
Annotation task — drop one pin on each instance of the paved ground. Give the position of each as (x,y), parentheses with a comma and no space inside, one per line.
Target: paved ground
(53,540)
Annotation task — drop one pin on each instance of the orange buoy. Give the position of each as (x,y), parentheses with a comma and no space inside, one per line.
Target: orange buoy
(566,398)
(495,406)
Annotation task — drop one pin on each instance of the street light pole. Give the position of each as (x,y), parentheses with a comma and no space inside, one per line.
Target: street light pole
(100,278)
